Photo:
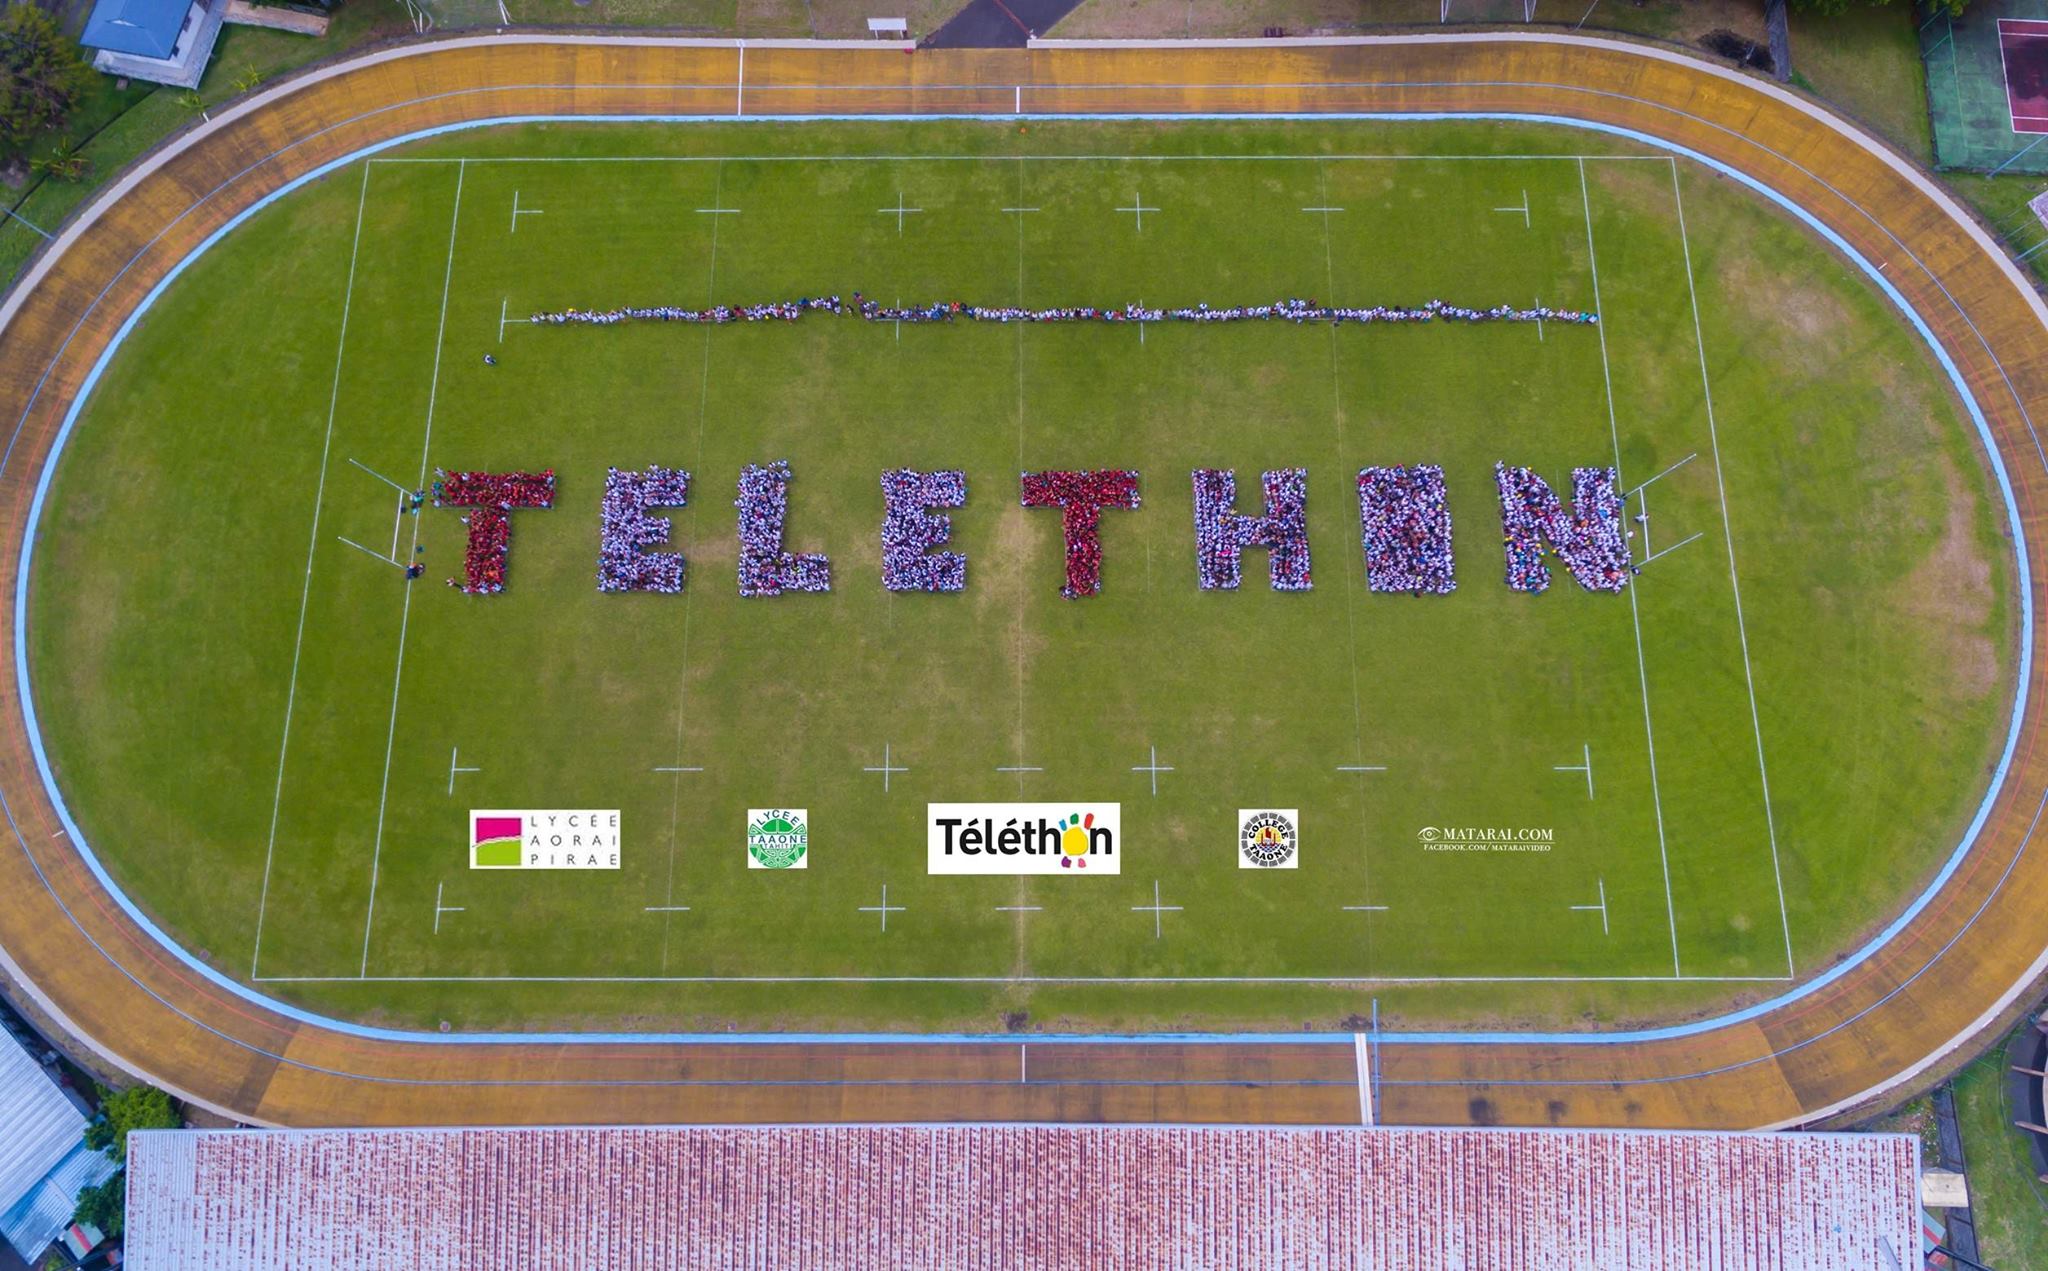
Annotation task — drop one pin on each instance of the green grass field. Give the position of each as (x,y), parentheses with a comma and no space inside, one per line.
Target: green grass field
(168,640)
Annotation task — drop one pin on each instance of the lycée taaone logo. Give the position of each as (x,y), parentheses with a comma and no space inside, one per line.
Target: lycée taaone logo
(544,838)
(1023,838)
(778,838)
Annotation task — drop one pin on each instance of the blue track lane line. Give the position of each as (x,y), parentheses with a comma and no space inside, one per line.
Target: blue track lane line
(1694,1028)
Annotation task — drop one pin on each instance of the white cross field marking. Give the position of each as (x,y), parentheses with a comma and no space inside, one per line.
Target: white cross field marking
(454,762)
(1586,749)
(440,908)
(518,211)
(1156,909)
(1138,209)
(899,212)
(1523,209)
(1154,768)
(1602,906)
(886,768)
(884,909)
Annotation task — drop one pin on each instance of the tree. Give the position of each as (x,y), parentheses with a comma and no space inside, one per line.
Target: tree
(105,1206)
(42,75)
(1953,8)
(136,1108)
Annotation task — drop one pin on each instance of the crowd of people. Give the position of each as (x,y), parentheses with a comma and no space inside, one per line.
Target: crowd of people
(1404,520)
(1290,310)
(1222,533)
(1592,539)
(1081,496)
(765,569)
(909,532)
(627,530)
(490,498)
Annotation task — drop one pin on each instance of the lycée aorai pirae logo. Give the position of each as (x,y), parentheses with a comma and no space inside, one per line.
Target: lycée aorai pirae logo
(543,838)
(494,841)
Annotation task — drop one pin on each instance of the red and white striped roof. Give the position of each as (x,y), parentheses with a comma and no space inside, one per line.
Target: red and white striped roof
(1021,1196)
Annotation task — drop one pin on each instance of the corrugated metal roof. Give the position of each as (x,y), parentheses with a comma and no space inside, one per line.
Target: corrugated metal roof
(38,1125)
(41,1216)
(1020,1196)
(146,28)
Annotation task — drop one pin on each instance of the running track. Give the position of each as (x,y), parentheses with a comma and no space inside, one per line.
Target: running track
(1939,981)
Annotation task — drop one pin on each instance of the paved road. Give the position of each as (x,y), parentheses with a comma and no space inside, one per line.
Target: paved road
(998,24)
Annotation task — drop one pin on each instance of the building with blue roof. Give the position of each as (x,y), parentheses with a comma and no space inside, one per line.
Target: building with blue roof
(162,41)
(44,1162)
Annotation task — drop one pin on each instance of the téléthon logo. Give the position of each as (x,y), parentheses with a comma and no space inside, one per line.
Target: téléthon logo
(1023,838)
(1268,838)
(778,838)
(543,838)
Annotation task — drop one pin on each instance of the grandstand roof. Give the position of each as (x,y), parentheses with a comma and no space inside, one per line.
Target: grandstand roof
(43,1158)
(1537,1200)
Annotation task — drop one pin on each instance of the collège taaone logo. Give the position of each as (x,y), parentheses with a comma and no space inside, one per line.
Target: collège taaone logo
(778,838)
(1267,838)
(1023,838)
(543,838)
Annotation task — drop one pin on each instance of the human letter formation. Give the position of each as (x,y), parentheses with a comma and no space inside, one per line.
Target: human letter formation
(1404,528)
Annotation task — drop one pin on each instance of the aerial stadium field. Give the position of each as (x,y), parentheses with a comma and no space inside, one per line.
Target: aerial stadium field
(1713,783)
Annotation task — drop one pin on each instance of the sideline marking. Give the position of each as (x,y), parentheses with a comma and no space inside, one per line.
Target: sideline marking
(1634,609)
(1421,980)
(1728,539)
(306,593)
(405,611)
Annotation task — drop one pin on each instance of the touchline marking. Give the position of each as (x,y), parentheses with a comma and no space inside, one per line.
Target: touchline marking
(455,758)
(405,611)
(1734,586)
(884,909)
(306,592)
(886,769)
(1022,979)
(1035,158)
(1156,909)
(1585,767)
(1634,609)
(1154,768)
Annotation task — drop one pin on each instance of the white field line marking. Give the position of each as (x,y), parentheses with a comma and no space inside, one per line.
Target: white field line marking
(1667,551)
(405,611)
(1021,979)
(454,759)
(1138,209)
(1020,909)
(1364,909)
(1585,767)
(1539,321)
(899,212)
(718,211)
(1350,601)
(1154,768)
(518,211)
(1523,209)
(381,477)
(1634,609)
(1155,909)
(1020,767)
(678,768)
(1728,539)
(59,834)
(440,908)
(1602,906)
(370,551)
(668,909)
(884,909)
(983,158)
(886,769)
(306,592)
(1361,1054)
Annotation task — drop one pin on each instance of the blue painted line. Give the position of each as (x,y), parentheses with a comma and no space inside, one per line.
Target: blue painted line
(303,1016)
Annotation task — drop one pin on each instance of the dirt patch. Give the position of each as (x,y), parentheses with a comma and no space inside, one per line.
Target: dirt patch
(1816,316)
(1740,49)
(1949,594)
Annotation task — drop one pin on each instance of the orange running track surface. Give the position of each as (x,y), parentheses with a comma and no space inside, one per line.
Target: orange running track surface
(1939,982)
